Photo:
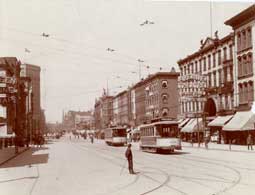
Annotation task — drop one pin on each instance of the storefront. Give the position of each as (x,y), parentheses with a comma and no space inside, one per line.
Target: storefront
(238,128)
(193,130)
(216,128)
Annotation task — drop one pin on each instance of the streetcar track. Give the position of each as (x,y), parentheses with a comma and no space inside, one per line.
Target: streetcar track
(233,183)
(161,184)
(186,178)
(205,167)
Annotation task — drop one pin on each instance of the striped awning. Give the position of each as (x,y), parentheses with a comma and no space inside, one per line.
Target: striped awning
(241,121)
(194,125)
(183,122)
(220,121)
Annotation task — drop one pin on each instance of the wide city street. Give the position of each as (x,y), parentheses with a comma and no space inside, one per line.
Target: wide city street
(76,166)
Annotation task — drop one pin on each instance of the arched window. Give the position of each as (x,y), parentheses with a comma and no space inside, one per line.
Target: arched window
(240,72)
(250,91)
(165,112)
(249,39)
(244,65)
(240,92)
(164,84)
(238,41)
(165,98)
(244,45)
(245,92)
(250,62)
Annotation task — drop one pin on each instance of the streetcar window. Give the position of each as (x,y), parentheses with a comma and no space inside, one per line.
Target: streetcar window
(119,133)
(168,131)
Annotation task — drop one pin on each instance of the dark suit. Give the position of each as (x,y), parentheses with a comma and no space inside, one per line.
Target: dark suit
(129,157)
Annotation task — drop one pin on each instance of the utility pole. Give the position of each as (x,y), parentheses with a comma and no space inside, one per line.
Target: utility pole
(198,134)
(211,17)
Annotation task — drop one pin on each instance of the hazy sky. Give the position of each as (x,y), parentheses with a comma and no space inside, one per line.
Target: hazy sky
(74,61)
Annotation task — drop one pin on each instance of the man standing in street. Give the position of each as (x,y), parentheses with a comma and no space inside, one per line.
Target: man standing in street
(249,142)
(129,157)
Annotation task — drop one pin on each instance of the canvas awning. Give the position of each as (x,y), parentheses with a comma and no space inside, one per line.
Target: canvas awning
(241,121)
(192,126)
(220,121)
(184,122)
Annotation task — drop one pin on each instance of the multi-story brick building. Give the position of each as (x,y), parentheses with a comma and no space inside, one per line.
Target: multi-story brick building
(103,112)
(243,121)
(228,66)
(121,108)
(206,81)
(33,72)
(155,97)
(243,25)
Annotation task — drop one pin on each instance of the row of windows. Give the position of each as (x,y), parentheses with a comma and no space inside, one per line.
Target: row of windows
(245,92)
(147,131)
(206,62)
(152,100)
(245,63)
(225,102)
(163,132)
(244,39)
(191,106)
(224,75)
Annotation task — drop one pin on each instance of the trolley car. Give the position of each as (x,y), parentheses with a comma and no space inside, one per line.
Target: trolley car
(115,136)
(160,136)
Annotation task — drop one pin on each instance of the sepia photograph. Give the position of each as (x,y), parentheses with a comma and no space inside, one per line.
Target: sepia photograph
(127,97)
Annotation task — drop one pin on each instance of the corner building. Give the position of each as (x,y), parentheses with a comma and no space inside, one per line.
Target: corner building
(206,80)
(243,25)
(155,97)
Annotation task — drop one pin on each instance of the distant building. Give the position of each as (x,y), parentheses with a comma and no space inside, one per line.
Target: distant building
(78,120)
(84,120)
(121,108)
(98,115)
(155,97)
(33,72)
(103,112)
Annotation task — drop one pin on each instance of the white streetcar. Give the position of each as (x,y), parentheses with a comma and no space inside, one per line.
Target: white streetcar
(115,136)
(160,136)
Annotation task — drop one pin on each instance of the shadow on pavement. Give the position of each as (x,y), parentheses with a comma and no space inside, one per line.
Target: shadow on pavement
(28,158)
(173,153)
(168,153)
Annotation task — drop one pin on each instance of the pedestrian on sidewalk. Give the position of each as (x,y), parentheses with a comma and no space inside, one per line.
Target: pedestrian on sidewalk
(129,157)
(249,142)
(207,140)
(91,138)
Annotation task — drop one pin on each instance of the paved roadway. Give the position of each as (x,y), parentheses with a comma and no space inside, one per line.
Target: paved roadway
(77,167)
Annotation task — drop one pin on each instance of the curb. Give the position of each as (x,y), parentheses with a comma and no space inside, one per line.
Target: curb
(218,149)
(14,156)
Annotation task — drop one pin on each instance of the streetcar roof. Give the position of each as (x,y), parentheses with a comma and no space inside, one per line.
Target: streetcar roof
(160,123)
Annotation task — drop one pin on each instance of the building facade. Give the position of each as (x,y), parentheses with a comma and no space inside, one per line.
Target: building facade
(243,25)
(103,112)
(155,97)
(206,78)
(33,72)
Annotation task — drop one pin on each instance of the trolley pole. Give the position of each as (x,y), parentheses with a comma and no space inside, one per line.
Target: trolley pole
(198,136)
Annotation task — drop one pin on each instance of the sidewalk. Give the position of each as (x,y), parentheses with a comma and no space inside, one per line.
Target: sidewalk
(7,154)
(223,147)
